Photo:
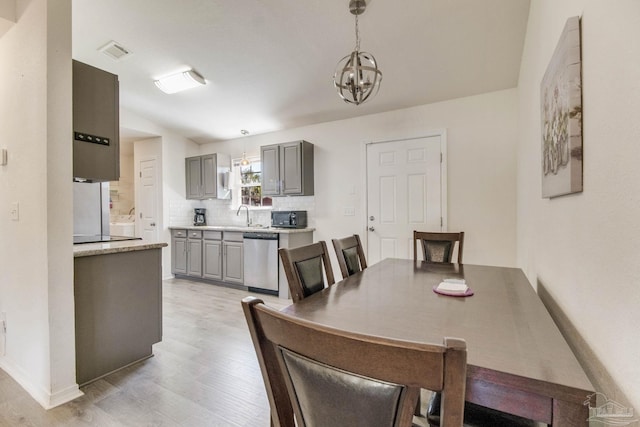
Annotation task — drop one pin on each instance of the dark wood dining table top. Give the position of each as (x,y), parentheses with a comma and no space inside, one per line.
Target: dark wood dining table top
(508,330)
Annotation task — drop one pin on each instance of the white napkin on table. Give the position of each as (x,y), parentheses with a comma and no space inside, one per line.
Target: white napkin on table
(453,286)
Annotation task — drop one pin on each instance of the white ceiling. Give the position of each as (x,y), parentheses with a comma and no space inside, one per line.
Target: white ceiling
(269,64)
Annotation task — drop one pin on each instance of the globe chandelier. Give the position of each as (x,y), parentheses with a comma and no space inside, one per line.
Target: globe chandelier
(357,76)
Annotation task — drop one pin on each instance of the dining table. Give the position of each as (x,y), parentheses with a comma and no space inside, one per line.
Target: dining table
(517,359)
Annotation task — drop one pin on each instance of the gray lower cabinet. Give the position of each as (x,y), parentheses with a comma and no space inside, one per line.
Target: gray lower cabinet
(194,254)
(212,249)
(118,310)
(208,254)
(186,252)
(233,258)
(179,252)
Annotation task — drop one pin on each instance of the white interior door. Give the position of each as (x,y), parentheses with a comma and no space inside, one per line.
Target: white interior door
(404,193)
(146,203)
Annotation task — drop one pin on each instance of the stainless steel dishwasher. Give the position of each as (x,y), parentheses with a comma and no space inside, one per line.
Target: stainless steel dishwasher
(261,262)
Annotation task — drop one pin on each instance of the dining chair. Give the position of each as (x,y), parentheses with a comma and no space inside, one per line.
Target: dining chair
(322,376)
(437,246)
(350,255)
(476,416)
(351,259)
(303,268)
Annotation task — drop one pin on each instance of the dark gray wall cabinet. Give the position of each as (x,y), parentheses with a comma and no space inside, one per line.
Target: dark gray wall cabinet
(96,124)
(287,169)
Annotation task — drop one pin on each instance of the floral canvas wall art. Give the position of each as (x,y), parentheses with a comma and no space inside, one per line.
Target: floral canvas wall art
(561,111)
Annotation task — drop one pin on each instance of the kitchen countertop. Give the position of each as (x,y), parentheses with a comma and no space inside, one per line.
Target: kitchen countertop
(242,229)
(90,249)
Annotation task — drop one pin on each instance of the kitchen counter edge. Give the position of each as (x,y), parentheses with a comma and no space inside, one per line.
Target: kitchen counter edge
(90,249)
(242,229)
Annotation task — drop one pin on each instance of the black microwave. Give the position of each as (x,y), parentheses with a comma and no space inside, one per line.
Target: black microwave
(289,219)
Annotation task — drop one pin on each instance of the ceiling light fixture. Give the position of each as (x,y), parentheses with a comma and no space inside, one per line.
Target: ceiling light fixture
(357,76)
(244,161)
(180,81)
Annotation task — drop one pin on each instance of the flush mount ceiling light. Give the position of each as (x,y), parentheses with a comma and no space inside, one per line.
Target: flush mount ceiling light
(244,161)
(357,76)
(180,81)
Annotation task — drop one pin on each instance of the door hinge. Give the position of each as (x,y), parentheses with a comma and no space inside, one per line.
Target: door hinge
(440,157)
(441,222)
(140,173)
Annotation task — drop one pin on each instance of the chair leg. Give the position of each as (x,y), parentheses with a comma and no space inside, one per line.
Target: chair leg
(417,411)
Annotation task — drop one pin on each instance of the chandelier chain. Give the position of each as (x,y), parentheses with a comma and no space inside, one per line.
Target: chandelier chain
(357,35)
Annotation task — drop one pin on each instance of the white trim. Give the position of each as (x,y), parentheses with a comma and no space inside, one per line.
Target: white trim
(364,233)
(37,392)
(158,196)
(442,133)
(444,199)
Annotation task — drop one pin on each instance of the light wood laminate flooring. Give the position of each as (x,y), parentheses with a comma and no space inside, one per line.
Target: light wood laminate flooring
(203,373)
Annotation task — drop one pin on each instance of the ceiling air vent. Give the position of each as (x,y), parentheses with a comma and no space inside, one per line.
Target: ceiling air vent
(115,51)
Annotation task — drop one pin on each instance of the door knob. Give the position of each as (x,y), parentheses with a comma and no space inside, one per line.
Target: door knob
(372,229)
(153,224)
(372,218)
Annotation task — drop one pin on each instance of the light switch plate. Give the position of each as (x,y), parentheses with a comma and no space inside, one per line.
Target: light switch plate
(15,211)
(349,211)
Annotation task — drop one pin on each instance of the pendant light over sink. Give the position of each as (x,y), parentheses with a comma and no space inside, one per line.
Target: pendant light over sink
(244,161)
(357,76)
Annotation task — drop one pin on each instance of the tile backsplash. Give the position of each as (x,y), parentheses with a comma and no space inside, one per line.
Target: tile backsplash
(222,212)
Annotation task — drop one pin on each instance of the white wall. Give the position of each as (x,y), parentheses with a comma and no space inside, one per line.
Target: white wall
(36,255)
(122,191)
(481,134)
(583,249)
(173,150)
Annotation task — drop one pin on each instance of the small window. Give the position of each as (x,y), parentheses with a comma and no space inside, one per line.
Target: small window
(247,184)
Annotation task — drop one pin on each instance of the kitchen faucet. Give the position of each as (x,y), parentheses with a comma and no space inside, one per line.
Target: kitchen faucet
(247,208)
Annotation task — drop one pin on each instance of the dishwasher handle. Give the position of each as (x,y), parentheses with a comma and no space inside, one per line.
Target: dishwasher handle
(260,236)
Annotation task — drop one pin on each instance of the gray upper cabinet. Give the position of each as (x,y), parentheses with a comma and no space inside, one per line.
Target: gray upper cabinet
(207,177)
(96,124)
(270,163)
(287,169)
(193,167)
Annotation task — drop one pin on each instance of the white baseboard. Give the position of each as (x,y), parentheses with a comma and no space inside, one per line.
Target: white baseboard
(44,397)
